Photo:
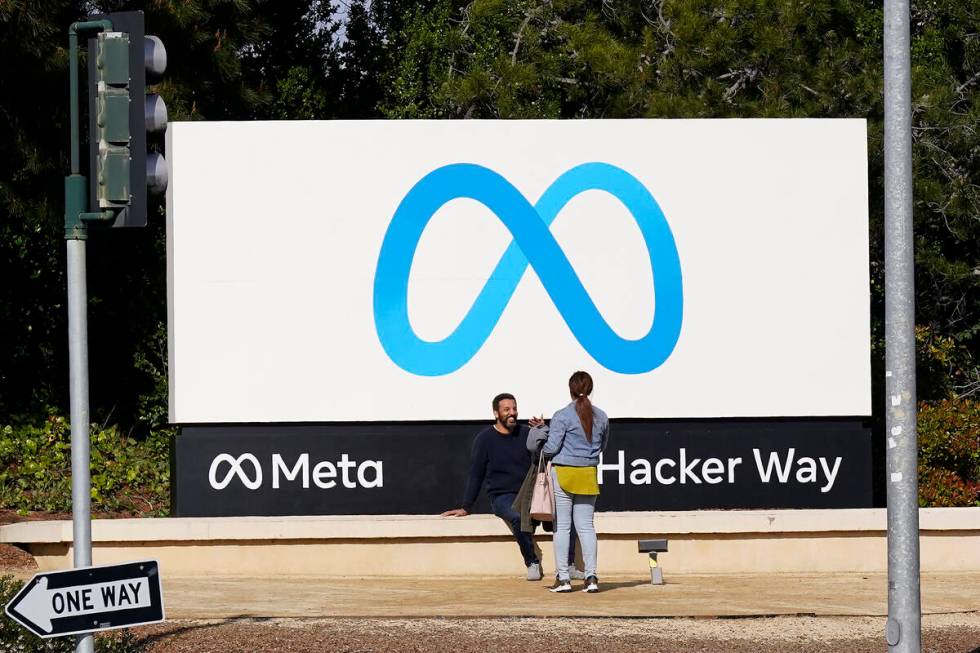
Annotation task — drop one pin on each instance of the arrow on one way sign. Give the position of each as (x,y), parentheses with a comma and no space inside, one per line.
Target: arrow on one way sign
(89,599)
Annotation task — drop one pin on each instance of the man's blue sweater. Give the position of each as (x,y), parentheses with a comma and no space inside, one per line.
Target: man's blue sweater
(502,459)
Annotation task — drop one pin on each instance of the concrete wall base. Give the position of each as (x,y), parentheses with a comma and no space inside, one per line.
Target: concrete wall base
(780,541)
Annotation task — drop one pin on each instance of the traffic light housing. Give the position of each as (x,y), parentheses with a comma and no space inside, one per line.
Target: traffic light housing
(123,118)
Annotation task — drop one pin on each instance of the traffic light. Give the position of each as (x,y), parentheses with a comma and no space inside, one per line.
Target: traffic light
(123,118)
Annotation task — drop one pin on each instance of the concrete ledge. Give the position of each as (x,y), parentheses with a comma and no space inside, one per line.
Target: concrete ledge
(180,529)
(700,542)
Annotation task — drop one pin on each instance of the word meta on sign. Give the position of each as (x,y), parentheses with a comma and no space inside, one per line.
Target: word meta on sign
(533,245)
(89,599)
(325,474)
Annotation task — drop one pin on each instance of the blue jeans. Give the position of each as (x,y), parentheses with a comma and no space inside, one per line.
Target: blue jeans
(577,508)
(501,506)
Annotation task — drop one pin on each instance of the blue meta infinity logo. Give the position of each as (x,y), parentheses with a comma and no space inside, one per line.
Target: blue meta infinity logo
(533,244)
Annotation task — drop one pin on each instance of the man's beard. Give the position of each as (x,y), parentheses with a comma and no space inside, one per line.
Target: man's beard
(508,423)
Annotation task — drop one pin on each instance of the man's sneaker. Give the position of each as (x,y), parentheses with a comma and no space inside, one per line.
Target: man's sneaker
(561,586)
(591,585)
(534,571)
(575,573)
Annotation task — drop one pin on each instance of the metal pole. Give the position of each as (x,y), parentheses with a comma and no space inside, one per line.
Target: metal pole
(78,364)
(903,630)
(76,202)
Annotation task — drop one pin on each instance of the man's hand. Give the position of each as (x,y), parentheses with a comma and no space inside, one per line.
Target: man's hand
(458,512)
(536,421)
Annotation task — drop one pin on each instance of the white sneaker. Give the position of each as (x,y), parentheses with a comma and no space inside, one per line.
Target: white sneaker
(534,571)
(591,585)
(575,573)
(561,586)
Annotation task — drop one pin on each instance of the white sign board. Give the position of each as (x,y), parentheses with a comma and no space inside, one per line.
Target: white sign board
(411,270)
(89,599)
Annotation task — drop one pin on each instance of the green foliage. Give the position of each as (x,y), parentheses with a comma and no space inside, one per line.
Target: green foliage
(32,161)
(949,453)
(572,58)
(14,637)
(127,475)
(151,359)
(945,367)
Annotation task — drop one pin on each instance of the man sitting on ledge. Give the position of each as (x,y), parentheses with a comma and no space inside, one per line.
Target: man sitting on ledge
(500,457)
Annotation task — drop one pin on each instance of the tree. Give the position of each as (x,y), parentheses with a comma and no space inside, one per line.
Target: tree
(127,286)
(32,158)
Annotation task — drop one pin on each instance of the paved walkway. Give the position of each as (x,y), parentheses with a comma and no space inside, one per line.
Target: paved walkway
(682,596)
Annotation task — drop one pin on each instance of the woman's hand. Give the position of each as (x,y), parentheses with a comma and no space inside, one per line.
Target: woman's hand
(535,422)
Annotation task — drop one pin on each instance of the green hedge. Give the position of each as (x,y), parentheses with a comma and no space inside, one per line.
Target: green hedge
(14,637)
(128,475)
(949,453)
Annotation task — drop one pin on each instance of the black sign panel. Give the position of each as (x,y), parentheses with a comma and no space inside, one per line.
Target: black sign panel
(420,468)
(89,599)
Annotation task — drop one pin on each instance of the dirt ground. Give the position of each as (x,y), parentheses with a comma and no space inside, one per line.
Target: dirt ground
(958,633)
(12,558)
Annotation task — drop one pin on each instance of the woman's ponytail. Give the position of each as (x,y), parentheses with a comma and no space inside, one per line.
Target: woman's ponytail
(580,387)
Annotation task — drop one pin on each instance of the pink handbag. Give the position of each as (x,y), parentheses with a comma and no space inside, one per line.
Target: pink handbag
(543,496)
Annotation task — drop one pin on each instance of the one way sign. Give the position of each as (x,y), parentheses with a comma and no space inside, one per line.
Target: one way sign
(89,599)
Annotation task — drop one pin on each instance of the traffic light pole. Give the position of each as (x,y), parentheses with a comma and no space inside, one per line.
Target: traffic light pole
(78,370)
(76,219)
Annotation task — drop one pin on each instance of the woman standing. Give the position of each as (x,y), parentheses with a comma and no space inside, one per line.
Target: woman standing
(578,433)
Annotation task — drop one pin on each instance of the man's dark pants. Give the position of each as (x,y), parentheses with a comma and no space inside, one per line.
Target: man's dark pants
(502,506)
